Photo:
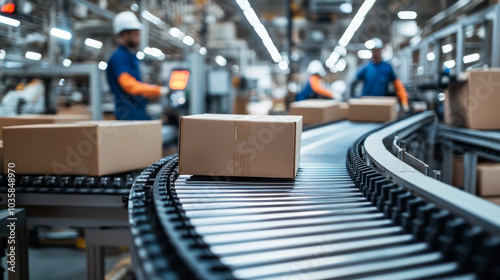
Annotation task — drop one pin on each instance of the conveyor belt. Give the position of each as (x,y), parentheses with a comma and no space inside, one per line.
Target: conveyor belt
(320,226)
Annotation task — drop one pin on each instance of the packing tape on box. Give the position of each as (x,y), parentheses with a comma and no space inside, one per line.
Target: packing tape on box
(241,163)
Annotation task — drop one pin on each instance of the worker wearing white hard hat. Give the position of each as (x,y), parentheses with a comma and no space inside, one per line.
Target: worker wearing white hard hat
(124,78)
(377,74)
(314,87)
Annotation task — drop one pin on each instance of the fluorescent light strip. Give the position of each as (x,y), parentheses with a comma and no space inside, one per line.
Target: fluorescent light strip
(59,33)
(407,15)
(9,21)
(447,48)
(221,60)
(151,18)
(89,42)
(33,55)
(471,58)
(66,62)
(261,31)
(349,32)
(356,22)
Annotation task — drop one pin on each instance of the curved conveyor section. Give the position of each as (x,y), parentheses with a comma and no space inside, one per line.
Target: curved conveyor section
(326,224)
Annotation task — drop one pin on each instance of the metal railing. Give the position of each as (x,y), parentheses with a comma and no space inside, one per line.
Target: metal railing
(475,210)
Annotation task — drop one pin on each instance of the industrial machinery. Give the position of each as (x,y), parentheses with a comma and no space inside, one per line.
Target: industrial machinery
(375,214)
(92,204)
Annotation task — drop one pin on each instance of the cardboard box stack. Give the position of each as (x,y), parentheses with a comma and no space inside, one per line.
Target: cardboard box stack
(487,175)
(237,145)
(473,103)
(40,119)
(318,111)
(373,109)
(84,148)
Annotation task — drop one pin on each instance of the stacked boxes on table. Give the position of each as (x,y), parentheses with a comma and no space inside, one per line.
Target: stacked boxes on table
(237,145)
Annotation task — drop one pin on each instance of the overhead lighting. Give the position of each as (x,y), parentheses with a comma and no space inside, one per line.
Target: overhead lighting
(151,18)
(221,60)
(346,8)
(254,21)
(244,4)
(9,21)
(365,54)
(66,62)
(471,58)
(140,55)
(447,48)
(155,52)
(2,54)
(102,65)
(252,17)
(188,40)
(449,64)
(59,33)
(134,7)
(341,65)
(370,44)
(431,56)
(407,15)
(356,22)
(174,31)
(93,43)
(33,55)
(283,65)
(203,51)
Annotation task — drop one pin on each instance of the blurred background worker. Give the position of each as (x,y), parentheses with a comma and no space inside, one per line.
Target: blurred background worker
(314,87)
(123,73)
(376,76)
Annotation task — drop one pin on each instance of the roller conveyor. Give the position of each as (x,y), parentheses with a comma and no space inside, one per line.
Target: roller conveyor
(329,223)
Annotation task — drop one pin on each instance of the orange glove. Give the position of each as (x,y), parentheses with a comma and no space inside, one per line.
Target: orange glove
(402,94)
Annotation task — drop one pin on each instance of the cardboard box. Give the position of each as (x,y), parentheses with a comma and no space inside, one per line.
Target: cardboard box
(488,178)
(1,157)
(373,109)
(86,148)
(238,145)
(74,110)
(473,103)
(344,110)
(494,200)
(317,111)
(487,175)
(39,119)
(457,179)
(240,104)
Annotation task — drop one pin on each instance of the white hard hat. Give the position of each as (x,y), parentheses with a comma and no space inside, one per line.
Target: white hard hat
(378,43)
(316,67)
(125,21)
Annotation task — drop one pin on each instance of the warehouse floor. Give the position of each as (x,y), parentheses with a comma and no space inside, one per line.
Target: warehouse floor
(60,263)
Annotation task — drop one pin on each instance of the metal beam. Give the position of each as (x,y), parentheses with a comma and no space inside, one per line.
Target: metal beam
(96,9)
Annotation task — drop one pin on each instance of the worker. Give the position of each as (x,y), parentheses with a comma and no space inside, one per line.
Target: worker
(131,94)
(314,87)
(376,76)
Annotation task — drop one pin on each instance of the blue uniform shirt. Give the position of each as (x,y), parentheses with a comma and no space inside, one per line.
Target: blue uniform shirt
(127,106)
(376,78)
(306,93)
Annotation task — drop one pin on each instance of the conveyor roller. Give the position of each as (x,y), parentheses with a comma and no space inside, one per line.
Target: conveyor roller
(332,222)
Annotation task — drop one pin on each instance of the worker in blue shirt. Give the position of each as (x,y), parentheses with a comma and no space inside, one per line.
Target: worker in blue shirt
(314,87)
(376,76)
(124,78)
